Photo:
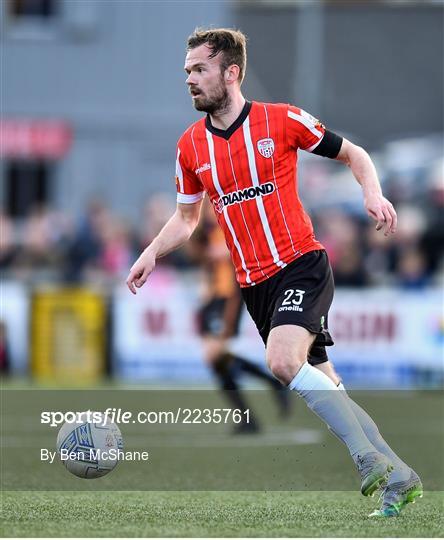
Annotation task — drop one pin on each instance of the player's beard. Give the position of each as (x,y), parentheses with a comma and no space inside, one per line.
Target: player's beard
(215,103)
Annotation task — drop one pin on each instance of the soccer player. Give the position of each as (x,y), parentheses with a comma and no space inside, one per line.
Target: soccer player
(243,155)
(219,318)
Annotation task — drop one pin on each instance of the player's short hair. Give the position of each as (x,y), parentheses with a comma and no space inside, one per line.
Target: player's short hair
(232,43)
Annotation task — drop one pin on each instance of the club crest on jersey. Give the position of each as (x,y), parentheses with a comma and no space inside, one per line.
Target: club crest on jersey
(266,147)
(236,197)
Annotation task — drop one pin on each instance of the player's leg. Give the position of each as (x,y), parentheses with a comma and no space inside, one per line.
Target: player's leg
(299,323)
(326,367)
(220,362)
(304,298)
(232,317)
(401,471)
(253,369)
(287,352)
(288,347)
(404,485)
(280,393)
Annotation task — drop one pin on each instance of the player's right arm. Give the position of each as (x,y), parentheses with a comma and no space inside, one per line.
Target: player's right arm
(174,234)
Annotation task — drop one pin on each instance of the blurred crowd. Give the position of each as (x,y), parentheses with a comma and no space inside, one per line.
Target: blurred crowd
(100,246)
(96,247)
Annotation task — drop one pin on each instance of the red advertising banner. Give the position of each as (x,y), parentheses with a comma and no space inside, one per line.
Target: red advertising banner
(43,139)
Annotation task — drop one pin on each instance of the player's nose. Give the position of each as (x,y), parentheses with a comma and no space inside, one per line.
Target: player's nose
(190,79)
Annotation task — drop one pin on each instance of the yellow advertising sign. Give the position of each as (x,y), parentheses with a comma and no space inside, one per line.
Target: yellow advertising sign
(68,335)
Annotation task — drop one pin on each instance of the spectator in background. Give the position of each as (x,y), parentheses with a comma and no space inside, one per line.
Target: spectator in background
(41,240)
(411,270)
(379,259)
(101,248)
(116,250)
(384,260)
(349,270)
(412,225)
(86,246)
(155,209)
(8,247)
(432,239)
(340,234)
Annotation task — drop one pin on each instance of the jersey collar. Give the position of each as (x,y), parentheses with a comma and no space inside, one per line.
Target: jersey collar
(226,133)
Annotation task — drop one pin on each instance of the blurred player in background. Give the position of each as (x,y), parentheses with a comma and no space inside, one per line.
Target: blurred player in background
(219,319)
(243,155)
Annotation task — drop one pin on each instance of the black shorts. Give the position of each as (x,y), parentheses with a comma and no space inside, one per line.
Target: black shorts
(210,317)
(299,294)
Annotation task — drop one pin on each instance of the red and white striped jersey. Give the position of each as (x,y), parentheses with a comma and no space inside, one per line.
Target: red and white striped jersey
(250,175)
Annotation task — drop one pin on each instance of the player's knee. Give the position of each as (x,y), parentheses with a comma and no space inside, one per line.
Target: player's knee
(283,368)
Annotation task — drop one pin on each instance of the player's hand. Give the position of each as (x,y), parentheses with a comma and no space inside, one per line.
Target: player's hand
(381,210)
(140,271)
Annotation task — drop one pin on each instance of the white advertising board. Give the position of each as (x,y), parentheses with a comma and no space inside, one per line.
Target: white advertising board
(381,336)
(154,332)
(14,315)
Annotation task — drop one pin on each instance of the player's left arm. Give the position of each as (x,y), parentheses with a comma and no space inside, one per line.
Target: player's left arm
(378,207)
(304,131)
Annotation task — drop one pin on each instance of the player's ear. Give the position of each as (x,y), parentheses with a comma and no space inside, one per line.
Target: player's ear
(232,73)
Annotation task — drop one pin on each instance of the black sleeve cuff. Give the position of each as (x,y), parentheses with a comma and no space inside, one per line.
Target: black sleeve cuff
(329,146)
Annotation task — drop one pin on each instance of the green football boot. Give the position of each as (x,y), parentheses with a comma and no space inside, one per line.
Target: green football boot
(398,495)
(374,469)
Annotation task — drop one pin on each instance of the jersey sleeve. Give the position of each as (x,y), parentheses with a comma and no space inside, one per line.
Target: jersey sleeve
(303,130)
(189,187)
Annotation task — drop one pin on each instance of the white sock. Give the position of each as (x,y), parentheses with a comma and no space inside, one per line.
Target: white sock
(324,399)
(401,470)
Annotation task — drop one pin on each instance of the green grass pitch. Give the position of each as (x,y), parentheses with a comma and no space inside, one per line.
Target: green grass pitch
(212,514)
(203,482)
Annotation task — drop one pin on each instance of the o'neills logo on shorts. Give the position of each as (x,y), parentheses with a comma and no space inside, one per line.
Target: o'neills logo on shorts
(236,197)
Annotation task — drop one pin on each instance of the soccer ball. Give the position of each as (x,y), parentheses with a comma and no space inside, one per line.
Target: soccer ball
(89,447)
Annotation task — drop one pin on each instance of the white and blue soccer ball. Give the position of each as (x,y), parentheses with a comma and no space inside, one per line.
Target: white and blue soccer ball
(89,449)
